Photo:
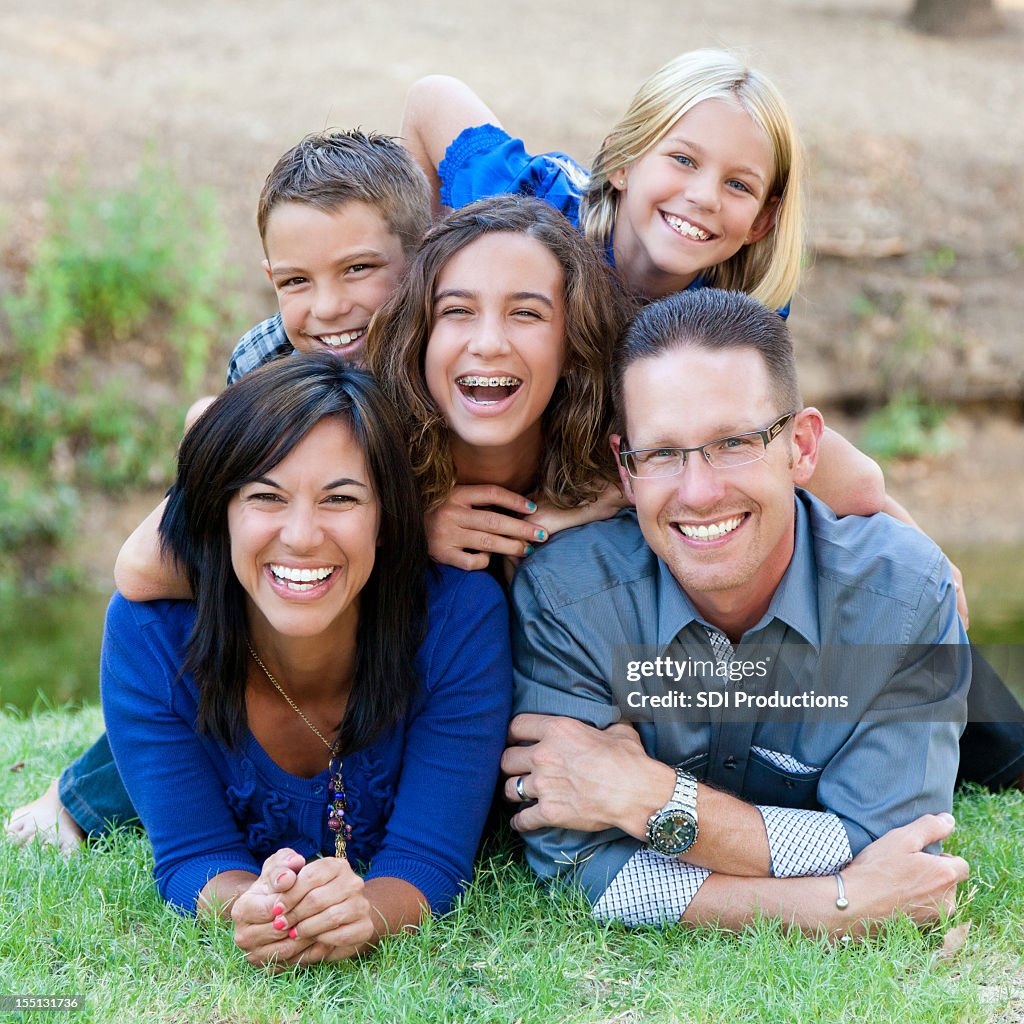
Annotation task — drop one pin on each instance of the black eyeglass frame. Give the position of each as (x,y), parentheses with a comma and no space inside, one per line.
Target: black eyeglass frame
(767,435)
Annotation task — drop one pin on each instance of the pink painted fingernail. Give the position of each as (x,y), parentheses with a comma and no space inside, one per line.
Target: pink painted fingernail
(293,933)
(280,923)
(278,909)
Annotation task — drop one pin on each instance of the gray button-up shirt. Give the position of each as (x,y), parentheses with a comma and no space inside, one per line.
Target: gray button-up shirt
(593,592)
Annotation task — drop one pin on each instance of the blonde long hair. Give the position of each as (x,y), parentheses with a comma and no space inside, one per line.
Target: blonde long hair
(769,269)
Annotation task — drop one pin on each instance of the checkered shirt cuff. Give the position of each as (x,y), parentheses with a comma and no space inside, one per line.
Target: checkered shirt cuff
(805,842)
(651,888)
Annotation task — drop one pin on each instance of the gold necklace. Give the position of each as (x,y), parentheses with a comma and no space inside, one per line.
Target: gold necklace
(336,804)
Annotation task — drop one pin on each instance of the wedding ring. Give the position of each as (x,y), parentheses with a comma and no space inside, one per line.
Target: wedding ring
(519,789)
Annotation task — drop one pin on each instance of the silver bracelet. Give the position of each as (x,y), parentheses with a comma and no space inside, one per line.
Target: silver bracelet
(841,901)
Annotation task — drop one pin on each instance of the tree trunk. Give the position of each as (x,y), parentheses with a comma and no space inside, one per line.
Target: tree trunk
(955,17)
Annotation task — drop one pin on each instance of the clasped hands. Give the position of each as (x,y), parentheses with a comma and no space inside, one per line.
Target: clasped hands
(300,912)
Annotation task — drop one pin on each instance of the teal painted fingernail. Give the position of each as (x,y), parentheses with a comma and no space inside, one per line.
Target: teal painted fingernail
(529,549)
(542,535)
(531,506)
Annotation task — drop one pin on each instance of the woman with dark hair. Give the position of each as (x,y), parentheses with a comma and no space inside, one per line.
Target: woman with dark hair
(326,692)
(529,310)
(497,349)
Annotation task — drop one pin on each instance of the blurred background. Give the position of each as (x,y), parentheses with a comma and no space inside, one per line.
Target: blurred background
(137,137)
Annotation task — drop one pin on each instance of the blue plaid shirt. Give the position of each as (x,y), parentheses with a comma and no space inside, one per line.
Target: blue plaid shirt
(265,342)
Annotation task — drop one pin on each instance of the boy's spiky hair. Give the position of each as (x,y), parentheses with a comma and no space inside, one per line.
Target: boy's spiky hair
(331,168)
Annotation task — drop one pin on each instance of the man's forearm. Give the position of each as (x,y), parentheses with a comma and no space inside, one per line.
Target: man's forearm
(586,780)
(731,834)
(809,904)
(893,875)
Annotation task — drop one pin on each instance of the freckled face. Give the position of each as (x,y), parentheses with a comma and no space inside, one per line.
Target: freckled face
(304,536)
(497,345)
(332,270)
(694,199)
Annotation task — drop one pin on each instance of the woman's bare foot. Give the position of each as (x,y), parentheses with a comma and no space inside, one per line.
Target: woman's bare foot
(47,819)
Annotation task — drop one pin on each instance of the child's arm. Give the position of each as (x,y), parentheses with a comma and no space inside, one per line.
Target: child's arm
(437,109)
(467,529)
(607,504)
(851,483)
(847,480)
(140,572)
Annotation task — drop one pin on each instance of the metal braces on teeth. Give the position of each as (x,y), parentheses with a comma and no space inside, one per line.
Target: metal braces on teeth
(489,382)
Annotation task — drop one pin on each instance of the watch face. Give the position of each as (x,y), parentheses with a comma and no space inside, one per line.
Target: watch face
(674,832)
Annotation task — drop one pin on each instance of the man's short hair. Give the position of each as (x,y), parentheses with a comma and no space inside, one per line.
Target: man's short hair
(713,319)
(328,169)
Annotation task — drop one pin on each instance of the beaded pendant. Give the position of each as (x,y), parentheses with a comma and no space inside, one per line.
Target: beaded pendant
(336,807)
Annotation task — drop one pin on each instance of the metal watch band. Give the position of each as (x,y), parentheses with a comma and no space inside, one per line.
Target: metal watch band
(685,792)
(673,829)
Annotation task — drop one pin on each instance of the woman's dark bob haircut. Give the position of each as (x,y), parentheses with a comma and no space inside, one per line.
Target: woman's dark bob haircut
(247,431)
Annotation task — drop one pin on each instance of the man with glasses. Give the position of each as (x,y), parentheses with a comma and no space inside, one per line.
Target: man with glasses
(796,681)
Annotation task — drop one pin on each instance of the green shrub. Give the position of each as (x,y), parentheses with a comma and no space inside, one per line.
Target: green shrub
(110,264)
(907,427)
(114,273)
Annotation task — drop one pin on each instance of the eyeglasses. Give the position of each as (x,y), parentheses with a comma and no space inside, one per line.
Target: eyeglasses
(725,453)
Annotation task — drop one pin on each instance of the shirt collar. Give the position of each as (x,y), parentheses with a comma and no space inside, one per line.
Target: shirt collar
(795,601)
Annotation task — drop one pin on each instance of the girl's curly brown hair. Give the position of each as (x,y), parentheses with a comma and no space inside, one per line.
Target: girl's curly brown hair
(575,462)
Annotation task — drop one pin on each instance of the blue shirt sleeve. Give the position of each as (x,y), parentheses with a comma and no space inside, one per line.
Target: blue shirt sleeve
(454,742)
(914,723)
(486,161)
(173,775)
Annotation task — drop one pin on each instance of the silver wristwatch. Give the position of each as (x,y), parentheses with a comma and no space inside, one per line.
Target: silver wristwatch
(673,829)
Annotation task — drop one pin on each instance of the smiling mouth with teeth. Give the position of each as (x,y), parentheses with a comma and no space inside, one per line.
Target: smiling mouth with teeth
(710,531)
(488,390)
(342,339)
(686,229)
(300,579)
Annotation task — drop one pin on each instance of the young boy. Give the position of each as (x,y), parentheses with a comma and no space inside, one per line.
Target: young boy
(340,215)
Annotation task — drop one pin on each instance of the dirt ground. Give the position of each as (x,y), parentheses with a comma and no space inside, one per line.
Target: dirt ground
(916,157)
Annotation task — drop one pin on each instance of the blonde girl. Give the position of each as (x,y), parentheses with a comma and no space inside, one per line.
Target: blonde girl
(698,184)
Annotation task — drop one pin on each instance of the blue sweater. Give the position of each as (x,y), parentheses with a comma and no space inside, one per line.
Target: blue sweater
(417,796)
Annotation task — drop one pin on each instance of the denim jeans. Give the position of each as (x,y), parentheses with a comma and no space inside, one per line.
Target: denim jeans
(93,793)
(992,745)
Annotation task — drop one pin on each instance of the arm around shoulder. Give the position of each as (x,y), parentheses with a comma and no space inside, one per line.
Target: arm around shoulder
(848,481)
(437,109)
(141,571)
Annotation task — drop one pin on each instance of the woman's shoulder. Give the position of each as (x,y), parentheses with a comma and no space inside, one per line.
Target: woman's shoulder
(161,625)
(467,618)
(165,615)
(450,589)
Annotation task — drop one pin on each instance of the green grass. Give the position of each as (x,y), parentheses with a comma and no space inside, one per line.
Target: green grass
(95,927)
